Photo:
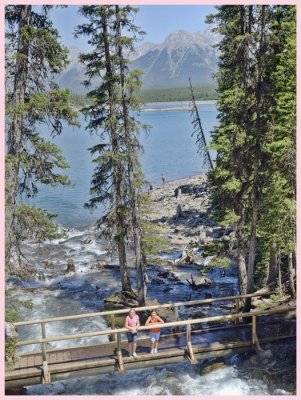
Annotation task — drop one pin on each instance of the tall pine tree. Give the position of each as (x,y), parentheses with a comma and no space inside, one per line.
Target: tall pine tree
(33,56)
(117,179)
(252,189)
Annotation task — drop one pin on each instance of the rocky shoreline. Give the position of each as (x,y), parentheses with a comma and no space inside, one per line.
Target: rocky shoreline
(180,207)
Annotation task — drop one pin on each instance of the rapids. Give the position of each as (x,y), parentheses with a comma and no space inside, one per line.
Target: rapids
(84,290)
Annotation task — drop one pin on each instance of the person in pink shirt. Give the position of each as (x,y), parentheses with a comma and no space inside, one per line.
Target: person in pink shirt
(132,324)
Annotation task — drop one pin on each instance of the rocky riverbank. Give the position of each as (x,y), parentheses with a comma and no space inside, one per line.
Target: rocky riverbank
(180,207)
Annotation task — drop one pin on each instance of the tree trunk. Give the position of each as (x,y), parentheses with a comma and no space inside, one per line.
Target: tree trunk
(140,269)
(273,267)
(242,273)
(279,274)
(241,257)
(117,174)
(252,242)
(15,128)
(291,274)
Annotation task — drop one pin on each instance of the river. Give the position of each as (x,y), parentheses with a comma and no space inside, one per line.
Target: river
(84,292)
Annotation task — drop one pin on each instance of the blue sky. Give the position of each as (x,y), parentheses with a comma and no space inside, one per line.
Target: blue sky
(156,21)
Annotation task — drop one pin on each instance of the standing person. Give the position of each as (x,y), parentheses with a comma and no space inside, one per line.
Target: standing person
(132,324)
(163,178)
(155,332)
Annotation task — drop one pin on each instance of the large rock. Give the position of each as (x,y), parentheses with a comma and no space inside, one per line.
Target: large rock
(199,281)
(212,367)
(10,331)
(122,299)
(158,280)
(165,313)
(203,281)
(70,267)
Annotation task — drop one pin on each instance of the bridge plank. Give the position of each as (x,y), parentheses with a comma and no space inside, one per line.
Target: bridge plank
(144,359)
(24,362)
(67,355)
(52,358)
(38,360)
(74,354)
(60,356)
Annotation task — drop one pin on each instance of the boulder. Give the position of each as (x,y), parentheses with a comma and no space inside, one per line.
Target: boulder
(87,240)
(10,331)
(70,267)
(100,264)
(157,280)
(203,236)
(199,281)
(164,274)
(48,264)
(122,299)
(212,367)
(165,313)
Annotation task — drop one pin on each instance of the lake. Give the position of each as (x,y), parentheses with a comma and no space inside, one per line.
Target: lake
(168,149)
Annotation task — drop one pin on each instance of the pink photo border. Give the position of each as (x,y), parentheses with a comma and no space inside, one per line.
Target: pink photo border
(2,151)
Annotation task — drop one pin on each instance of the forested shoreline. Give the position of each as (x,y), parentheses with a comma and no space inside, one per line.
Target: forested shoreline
(203,93)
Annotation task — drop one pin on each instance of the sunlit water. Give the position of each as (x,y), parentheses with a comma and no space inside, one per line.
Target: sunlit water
(168,148)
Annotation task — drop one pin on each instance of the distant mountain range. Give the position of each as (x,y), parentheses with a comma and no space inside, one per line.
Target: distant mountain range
(183,54)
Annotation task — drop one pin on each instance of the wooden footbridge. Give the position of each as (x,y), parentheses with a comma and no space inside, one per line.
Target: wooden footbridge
(190,339)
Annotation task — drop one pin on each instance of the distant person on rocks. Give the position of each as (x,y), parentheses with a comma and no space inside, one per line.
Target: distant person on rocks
(155,332)
(132,324)
(163,179)
(150,189)
(178,192)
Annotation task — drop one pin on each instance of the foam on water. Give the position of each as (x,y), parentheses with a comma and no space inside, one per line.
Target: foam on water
(172,380)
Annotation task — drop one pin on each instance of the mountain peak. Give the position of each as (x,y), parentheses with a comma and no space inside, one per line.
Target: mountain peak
(182,54)
(179,37)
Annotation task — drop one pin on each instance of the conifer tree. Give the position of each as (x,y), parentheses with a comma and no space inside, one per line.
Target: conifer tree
(277,222)
(129,83)
(198,130)
(108,180)
(249,179)
(33,56)
(229,178)
(117,180)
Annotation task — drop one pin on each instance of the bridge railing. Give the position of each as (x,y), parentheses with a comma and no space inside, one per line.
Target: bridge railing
(175,306)
(186,323)
(218,318)
(113,313)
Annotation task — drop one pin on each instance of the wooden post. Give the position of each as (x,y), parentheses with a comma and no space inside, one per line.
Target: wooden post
(189,346)
(113,326)
(237,320)
(254,336)
(176,317)
(120,364)
(46,379)
(255,341)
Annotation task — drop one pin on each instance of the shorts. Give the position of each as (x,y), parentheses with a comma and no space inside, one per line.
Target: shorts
(154,336)
(132,337)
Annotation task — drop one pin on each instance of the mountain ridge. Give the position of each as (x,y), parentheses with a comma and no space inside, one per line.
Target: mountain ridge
(169,64)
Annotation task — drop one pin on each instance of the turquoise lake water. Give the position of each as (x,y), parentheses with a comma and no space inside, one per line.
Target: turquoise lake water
(168,148)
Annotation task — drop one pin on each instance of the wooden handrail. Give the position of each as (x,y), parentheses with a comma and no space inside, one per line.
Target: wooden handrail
(148,308)
(165,325)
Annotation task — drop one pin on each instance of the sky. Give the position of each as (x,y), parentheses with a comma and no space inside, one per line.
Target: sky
(156,21)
